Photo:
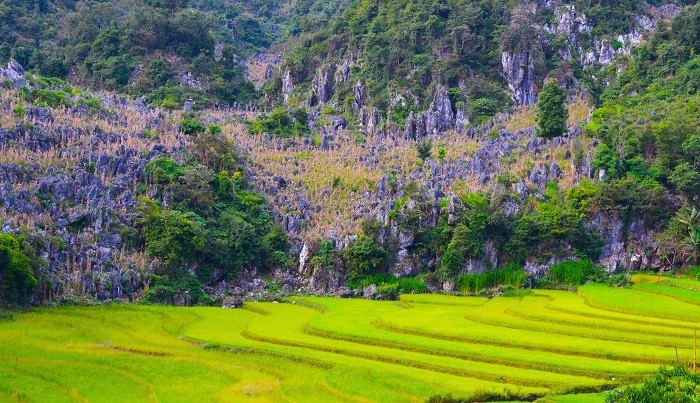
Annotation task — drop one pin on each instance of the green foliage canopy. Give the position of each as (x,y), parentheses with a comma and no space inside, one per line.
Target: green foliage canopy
(551,111)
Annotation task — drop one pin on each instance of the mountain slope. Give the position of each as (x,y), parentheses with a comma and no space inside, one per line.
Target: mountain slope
(124,199)
(488,54)
(168,51)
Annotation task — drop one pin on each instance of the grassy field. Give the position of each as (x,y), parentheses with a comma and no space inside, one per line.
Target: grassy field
(552,345)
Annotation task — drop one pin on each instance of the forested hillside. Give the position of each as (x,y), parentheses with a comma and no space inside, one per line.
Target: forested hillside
(377,148)
(392,55)
(440,200)
(168,51)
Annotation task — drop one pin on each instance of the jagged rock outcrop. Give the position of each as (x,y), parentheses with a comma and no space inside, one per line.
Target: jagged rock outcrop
(520,63)
(287,85)
(322,85)
(76,190)
(519,72)
(342,73)
(13,73)
(438,118)
(369,120)
(461,121)
(359,92)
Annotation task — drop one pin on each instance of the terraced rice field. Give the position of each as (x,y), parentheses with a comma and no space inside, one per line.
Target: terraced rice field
(554,345)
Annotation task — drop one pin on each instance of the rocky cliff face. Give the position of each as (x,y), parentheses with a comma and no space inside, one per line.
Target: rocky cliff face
(519,72)
(485,160)
(73,178)
(438,118)
(519,67)
(322,85)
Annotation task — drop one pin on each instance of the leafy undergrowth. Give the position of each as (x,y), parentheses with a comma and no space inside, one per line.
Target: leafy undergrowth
(554,345)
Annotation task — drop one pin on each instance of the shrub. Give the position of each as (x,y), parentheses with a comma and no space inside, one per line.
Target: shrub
(686,179)
(19,111)
(364,257)
(606,160)
(693,272)
(176,289)
(280,123)
(542,230)
(576,272)
(214,129)
(174,236)
(571,273)
(404,285)
(170,104)
(192,126)
(669,385)
(424,149)
(388,291)
(164,170)
(215,151)
(46,97)
(511,275)
(17,280)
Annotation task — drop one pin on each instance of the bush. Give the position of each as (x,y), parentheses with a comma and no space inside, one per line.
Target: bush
(214,129)
(403,285)
(693,272)
(192,126)
(388,291)
(364,257)
(280,123)
(46,97)
(17,280)
(576,272)
(174,236)
(183,288)
(169,104)
(215,151)
(605,159)
(686,179)
(164,170)
(571,273)
(511,275)
(19,111)
(424,149)
(669,385)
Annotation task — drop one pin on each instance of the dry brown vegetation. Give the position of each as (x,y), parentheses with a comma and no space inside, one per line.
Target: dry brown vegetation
(336,182)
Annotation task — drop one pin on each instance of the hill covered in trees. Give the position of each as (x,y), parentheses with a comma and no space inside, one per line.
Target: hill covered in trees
(504,139)
(168,51)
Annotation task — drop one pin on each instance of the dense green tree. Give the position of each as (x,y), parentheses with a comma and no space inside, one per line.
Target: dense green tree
(174,236)
(192,126)
(686,179)
(205,221)
(551,111)
(364,257)
(688,219)
(17,280)
(686,28)
(605,159)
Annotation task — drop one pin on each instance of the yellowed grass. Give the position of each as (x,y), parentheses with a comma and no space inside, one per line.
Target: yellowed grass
(521,119)
(578,112)
(338,180)
(524,117)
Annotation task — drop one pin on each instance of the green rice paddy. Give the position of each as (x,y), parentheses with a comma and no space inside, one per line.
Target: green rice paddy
(551,345)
